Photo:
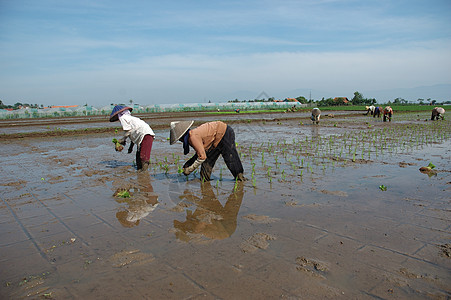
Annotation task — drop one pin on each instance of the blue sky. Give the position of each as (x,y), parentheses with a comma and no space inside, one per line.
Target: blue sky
(55,52)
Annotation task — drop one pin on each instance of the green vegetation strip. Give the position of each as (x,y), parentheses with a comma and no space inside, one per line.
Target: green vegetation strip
(245,111)
(396,108)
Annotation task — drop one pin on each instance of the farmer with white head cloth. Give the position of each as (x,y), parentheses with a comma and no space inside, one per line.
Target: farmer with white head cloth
(139,133)
(316,113)
(209,140)
(438,113)
(370,110)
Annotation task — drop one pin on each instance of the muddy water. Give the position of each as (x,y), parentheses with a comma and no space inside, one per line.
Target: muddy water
(303,226)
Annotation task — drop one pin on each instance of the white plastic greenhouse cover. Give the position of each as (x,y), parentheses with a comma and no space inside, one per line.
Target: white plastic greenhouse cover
(106,110)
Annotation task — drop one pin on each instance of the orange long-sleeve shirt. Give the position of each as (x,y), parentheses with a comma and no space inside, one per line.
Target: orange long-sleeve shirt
(206,136)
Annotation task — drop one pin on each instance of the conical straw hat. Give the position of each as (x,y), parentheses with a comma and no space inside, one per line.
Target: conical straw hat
(178,129)
(440,110)
(316,111)
(116,110)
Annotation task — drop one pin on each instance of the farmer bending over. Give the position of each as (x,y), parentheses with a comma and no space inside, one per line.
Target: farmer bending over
(316,113)
(438,113)
(370,110)
(388,113)
(377,112)
(139,133)
(209,140)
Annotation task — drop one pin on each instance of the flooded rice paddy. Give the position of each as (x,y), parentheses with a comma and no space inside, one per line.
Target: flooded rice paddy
(339,211)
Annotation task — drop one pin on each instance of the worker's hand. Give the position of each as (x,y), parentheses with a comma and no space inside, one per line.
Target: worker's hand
(119,147)
(189,169)
(186,171)
(121,141)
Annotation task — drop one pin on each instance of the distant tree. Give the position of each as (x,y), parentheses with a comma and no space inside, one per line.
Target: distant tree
(400,101)
(302,99)
(357,99)
(421,101)
(371,101)
(339,101)
(327,102)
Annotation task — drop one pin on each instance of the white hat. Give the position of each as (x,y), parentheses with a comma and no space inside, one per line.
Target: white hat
(440,110)
(316,111)
(178,129)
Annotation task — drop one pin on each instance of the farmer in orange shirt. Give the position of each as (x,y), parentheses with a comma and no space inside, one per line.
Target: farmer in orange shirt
(209,140)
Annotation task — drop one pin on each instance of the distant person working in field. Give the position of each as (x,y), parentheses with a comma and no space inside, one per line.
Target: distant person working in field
(139,133)
(438,113)
(209,140)
(377,112)
(370,110)
(316,114)
(388,113)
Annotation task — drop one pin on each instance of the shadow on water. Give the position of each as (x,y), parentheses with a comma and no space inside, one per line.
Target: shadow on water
(210,219)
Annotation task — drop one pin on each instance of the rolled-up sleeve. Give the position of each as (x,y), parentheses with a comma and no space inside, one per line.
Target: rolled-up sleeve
(196,141)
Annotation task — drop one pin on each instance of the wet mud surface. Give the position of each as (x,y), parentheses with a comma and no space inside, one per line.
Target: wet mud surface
(337,211)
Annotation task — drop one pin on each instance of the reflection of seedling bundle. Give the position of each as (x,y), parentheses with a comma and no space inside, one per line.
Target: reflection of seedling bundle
(429,170)
(122,193)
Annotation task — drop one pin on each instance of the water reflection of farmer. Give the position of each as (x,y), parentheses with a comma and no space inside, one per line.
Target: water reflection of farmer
(210,219)
(140,204)
(315,132)
(209,140)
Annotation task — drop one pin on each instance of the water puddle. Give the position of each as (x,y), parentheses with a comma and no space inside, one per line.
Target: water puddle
(338,210)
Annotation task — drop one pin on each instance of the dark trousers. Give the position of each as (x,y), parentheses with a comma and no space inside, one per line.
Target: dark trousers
(377,112)
(227,149)
(387,116)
